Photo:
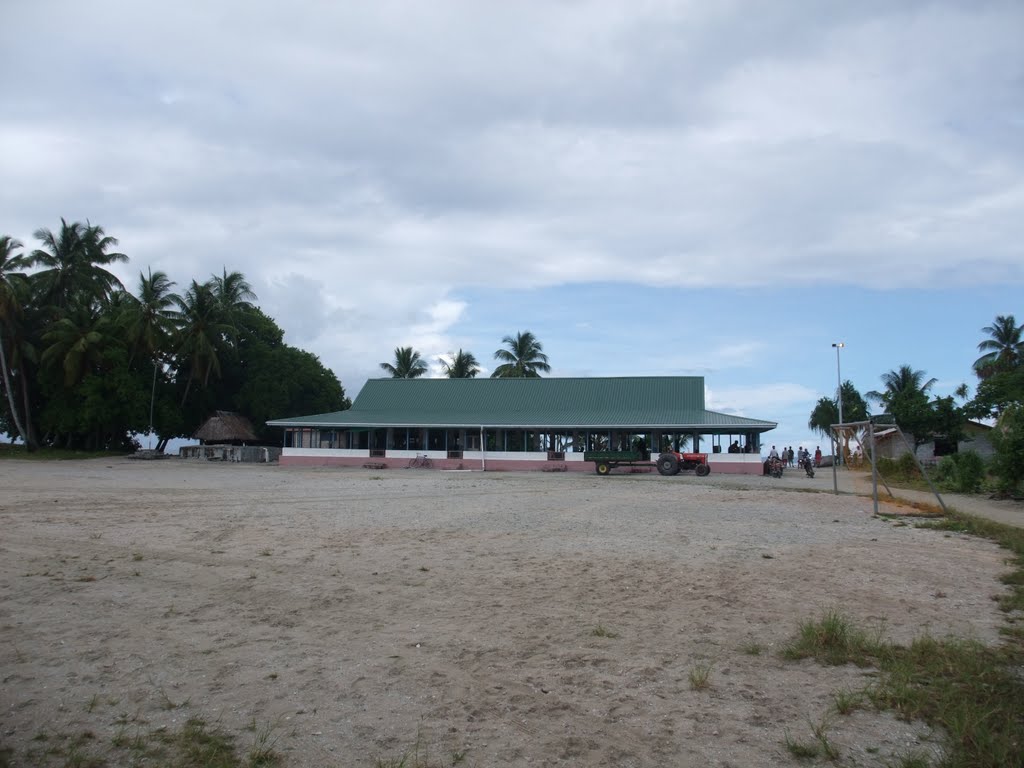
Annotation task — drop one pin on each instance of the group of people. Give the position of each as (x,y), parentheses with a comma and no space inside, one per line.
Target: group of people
(797,459)
(735,447)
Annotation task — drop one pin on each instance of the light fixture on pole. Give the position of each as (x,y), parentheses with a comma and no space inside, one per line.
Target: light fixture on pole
(839,392)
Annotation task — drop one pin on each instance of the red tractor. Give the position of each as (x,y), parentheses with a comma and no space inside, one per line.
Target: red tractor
(671,462)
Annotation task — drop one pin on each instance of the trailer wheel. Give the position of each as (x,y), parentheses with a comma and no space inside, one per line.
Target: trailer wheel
(668,465)
(602,468)
(703,470)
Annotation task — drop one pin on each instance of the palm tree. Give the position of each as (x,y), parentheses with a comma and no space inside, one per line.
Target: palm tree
(151,317)
(462,366)
(12,283)
(1004,350)
(202,332)
(74,261)
(76,345)
(901,383)
(826,413)
(906,399)
(233,292)
(408,364)
(524,358)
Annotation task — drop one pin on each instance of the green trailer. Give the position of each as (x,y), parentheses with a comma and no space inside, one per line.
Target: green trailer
(606,461)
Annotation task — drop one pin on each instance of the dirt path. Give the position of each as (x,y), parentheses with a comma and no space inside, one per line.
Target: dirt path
(519,618)
(998,510)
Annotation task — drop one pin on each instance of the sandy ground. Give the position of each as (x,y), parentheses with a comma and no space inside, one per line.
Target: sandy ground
(353,613)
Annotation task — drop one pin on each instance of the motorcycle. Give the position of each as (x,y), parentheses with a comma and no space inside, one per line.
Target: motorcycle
(808,465)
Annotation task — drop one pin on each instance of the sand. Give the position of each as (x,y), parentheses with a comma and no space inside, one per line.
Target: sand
(513,618)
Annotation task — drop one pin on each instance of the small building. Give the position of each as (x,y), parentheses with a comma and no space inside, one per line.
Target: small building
(976,438)
(228,436)
(507,424)
(226,428)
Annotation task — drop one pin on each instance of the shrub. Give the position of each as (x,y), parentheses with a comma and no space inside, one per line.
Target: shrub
(902,468)
(906,465)
(971,471)
(886,467)
(1008,441)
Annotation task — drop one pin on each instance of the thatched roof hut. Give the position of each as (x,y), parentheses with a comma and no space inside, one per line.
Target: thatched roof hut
(225,427)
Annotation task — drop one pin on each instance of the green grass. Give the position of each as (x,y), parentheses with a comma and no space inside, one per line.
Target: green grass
(752,648)
(8,451)
(196,744)
(602,631)
(700,676)
(972,693)
(420,757)
(802,750)
(833,640)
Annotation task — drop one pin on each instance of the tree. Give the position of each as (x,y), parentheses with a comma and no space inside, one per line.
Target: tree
(74,262)
(1008,442)
(826,412)
(407,365)
(12,285)
(234,295)
(1004,351)
(906,399)
(523,358)
(996,393)
(201,334)
(150,319)
(76,346)
(463,365)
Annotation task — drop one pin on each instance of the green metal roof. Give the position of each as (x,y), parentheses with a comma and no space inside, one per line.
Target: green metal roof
(636,401)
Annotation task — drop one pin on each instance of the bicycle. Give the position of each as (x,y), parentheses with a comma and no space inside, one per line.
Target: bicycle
(421,460)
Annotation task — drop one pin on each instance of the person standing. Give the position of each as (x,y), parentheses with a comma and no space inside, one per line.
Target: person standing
(817,456)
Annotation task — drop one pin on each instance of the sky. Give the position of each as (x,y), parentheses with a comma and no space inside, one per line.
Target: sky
(652,188)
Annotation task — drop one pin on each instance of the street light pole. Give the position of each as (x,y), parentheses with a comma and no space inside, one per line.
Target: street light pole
(839,393)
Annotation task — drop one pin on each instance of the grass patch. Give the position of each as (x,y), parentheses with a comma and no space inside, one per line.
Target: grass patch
(802,750)
(752,648)
(846,701)
(913,760)
(833,640)
(700,676)
(420,757)
(602,631)
(195,745)
(973,693)
(8,451)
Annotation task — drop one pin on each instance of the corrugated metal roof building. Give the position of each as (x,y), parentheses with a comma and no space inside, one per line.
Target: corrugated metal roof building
(514,423)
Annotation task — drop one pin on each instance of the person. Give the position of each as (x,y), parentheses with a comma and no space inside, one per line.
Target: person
(817,456)
(789,455)
(773,454)
(735,447)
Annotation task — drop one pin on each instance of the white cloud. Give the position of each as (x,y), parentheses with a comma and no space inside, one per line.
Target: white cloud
(367,165)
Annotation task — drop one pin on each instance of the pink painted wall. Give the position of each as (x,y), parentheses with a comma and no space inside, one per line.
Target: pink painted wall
(500,465)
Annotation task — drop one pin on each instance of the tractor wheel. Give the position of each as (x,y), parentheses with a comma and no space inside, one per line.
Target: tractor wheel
(602,468)
(668,465)
(703,470)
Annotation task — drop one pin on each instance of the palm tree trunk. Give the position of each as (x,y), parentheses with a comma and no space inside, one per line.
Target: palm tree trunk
(10,395)
(31,442)
(188,386)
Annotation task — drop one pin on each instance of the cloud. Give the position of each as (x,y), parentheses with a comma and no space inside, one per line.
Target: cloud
(367,166)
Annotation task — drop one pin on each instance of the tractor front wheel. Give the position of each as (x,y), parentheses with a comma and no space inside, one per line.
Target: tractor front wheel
(703,470)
